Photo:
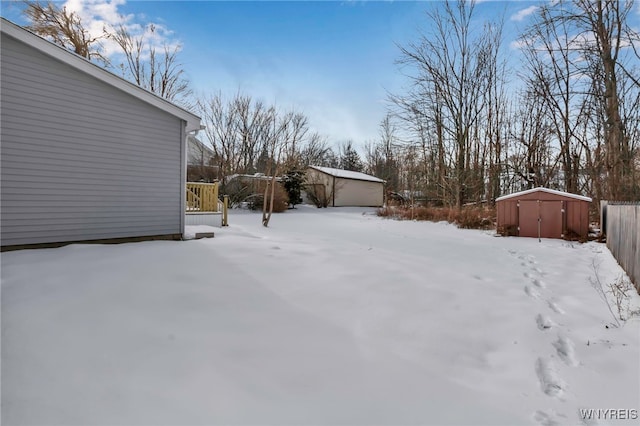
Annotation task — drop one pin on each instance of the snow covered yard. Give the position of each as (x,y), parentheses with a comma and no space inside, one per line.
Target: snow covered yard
(331,316)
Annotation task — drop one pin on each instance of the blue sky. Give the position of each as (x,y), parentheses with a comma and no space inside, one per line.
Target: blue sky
(332,60)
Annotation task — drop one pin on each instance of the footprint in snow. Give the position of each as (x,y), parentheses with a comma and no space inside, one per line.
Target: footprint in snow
(555,308)
(538,283)
(544,419)
(550,383)
(531,292)
(544,322)
(566,351)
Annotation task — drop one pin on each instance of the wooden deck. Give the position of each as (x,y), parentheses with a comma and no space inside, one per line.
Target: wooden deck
(202,197)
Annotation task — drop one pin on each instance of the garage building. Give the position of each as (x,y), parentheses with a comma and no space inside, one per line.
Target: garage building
(344,188)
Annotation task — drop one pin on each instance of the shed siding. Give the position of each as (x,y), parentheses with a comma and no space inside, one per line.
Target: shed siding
(507,212)
(80,159)
(578,217)
(316,181)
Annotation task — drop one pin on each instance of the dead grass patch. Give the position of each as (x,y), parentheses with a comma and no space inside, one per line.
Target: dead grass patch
(467,217)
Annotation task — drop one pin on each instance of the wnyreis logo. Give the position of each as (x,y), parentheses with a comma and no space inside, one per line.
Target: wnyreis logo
(608,414)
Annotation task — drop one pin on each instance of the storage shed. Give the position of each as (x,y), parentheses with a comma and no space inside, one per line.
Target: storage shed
(344,188)
(86,155)
(543,213)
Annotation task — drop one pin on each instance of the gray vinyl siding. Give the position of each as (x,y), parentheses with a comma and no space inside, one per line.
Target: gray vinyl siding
(80,159)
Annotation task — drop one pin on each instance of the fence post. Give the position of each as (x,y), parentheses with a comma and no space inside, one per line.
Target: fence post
(225,208)
(603,217)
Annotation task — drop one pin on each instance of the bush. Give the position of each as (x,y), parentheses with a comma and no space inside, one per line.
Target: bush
(293,182)
(508,230)
(475,218)
(468,217)
(317,194)
(280,201)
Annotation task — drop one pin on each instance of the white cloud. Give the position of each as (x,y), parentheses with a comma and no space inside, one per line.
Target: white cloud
(100,15)
(517,44)
(97,11)
(524,13)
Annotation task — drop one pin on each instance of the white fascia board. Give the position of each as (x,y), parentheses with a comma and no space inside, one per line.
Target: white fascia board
(547,190)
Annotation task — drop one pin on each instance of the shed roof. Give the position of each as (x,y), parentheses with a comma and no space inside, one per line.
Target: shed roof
(347,174)
(547,190)
(84,65)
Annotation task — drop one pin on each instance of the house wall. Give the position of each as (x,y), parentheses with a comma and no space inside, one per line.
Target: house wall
(80,159)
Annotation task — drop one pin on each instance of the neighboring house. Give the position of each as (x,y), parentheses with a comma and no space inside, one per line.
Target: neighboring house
(86,155)
(344,188)
(201,165)
(543,213)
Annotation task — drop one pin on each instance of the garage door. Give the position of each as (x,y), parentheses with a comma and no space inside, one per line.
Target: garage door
(540,219)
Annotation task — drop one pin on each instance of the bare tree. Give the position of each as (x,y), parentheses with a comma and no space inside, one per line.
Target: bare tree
(64,28)
(496,113)
(557,83)
(317,152)
(532,160)
(381,157)
(606,33)
(155,68)
(581,55)
(248,136)
(251,122)
(218,117)
(279,136)
(449,78)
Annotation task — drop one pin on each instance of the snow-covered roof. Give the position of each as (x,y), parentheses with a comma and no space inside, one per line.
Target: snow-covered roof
(255,176)
(347,174)
(547,190)
(84,65)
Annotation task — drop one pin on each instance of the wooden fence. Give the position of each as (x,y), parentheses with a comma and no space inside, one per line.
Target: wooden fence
(202,197)
(622,227)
